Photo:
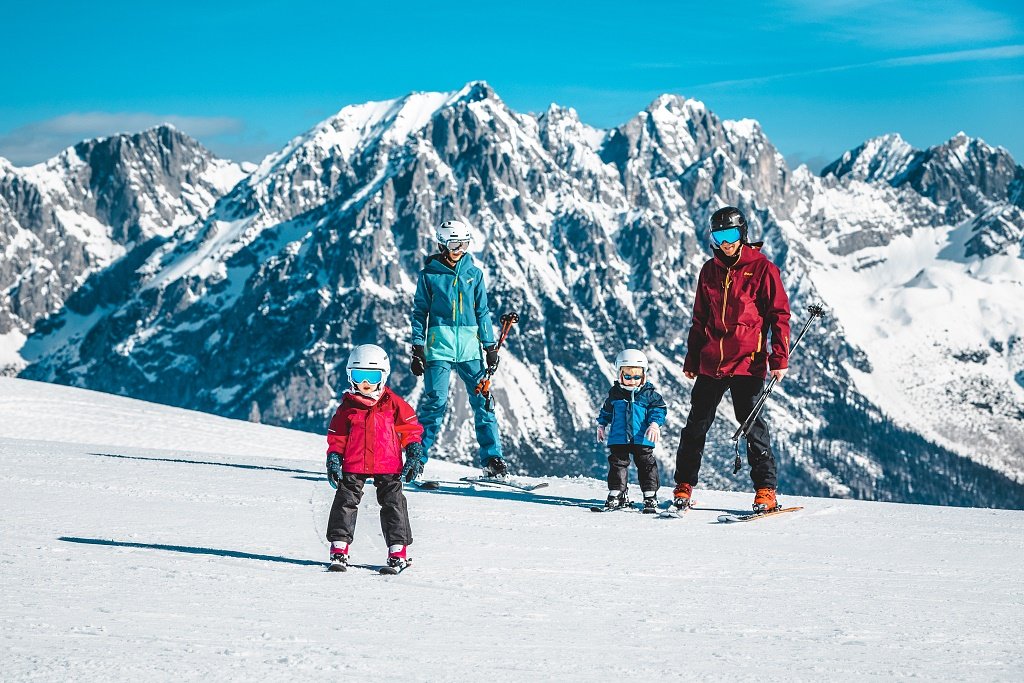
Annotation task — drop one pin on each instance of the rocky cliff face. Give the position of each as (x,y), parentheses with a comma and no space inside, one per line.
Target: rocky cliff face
(596,238)
(84,209)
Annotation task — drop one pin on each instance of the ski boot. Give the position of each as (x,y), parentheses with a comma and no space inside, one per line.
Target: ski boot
(681,496)
(650,505)
(764,500)
(339,557)
(397,560)
(495,468)
(616,500)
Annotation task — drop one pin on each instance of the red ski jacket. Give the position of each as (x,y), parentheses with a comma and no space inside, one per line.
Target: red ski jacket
(370,436)
(733,311)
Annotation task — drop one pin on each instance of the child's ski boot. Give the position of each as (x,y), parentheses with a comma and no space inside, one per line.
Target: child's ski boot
(339,557)
(616,500)
(650,505)
(764,500)
(397,560)
(681,496)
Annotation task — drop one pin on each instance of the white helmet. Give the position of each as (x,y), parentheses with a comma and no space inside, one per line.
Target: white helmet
(450,232)
(631,358)
(368,357)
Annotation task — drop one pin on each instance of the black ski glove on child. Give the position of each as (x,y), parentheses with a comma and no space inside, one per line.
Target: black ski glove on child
(334,469)
(415,458)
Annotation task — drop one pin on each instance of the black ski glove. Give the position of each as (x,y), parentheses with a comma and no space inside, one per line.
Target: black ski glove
(419,361)
(492,358)
(334,469)
(415,459)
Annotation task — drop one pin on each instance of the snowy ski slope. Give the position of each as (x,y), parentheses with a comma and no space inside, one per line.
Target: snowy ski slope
(149,543)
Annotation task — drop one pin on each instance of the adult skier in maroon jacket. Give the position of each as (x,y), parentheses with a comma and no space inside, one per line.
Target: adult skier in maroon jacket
(740,300)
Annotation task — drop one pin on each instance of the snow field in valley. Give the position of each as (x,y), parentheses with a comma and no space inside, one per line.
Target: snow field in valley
(141,541)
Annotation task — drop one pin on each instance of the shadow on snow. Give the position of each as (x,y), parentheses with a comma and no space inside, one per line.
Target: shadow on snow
(235,465)
(465,489)
(191,550)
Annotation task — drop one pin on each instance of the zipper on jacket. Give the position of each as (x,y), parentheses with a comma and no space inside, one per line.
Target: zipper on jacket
(725,302)
(455,301)
(629,419)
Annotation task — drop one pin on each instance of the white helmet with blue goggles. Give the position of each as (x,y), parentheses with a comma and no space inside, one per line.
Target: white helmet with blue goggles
(454,235)
(370,363)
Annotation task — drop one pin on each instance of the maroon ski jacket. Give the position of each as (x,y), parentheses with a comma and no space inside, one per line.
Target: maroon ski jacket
(733,311)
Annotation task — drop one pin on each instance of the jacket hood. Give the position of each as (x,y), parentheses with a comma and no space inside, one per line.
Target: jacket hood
(358,400)
(435,263)
(644,388)
(748,254)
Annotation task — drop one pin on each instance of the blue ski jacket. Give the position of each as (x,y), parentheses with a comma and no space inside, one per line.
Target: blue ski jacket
(630,414)
(450,316)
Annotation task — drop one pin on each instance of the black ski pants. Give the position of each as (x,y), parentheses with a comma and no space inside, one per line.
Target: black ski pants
(618,467)
(704,399)
(394,512)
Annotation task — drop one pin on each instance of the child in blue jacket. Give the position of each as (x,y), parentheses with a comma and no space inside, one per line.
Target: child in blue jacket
(631,421)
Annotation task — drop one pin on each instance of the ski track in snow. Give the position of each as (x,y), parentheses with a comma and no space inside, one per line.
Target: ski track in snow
(141,541)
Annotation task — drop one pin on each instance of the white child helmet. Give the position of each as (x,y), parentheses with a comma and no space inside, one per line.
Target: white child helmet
(368,357)
(453,231)
(631,358)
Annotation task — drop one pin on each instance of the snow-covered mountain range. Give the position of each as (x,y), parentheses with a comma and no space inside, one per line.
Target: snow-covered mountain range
(243,298)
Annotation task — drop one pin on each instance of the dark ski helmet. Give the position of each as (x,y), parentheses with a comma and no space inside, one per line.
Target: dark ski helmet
(728,218)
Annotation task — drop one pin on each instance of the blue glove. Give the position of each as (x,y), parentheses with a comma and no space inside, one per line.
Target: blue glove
(334,469)
(415,459)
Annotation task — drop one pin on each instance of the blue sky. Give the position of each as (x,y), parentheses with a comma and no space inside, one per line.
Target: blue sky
(820,75)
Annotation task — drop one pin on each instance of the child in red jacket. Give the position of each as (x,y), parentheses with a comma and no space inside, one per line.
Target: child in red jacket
(365,439)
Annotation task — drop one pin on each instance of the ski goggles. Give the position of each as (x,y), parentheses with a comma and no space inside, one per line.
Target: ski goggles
(457,245)
(629,378)
(371,376)
(721,237)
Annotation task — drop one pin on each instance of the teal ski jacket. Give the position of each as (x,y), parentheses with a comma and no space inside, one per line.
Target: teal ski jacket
(450,316)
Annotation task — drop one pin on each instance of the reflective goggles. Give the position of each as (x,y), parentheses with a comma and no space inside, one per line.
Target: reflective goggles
(721,237)
(371,376)
(628,378)
(457,245)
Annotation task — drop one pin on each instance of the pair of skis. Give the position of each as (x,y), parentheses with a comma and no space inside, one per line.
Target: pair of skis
(387,570)
(497,482)
(675,512)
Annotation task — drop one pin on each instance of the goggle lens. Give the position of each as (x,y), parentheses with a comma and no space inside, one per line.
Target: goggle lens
(457,245)
(721,237)
(629,378)
(371,376)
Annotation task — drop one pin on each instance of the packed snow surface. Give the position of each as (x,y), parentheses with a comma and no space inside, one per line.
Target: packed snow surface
(149,543)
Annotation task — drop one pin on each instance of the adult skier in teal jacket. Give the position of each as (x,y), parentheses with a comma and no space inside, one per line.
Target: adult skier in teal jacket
(451,321)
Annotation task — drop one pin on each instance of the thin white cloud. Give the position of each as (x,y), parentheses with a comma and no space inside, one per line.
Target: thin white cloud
(984,54)
(904,24)
(40,140)
(981,80)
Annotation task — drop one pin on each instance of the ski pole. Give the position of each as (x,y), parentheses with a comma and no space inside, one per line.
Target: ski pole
(484,385)
(815,310)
